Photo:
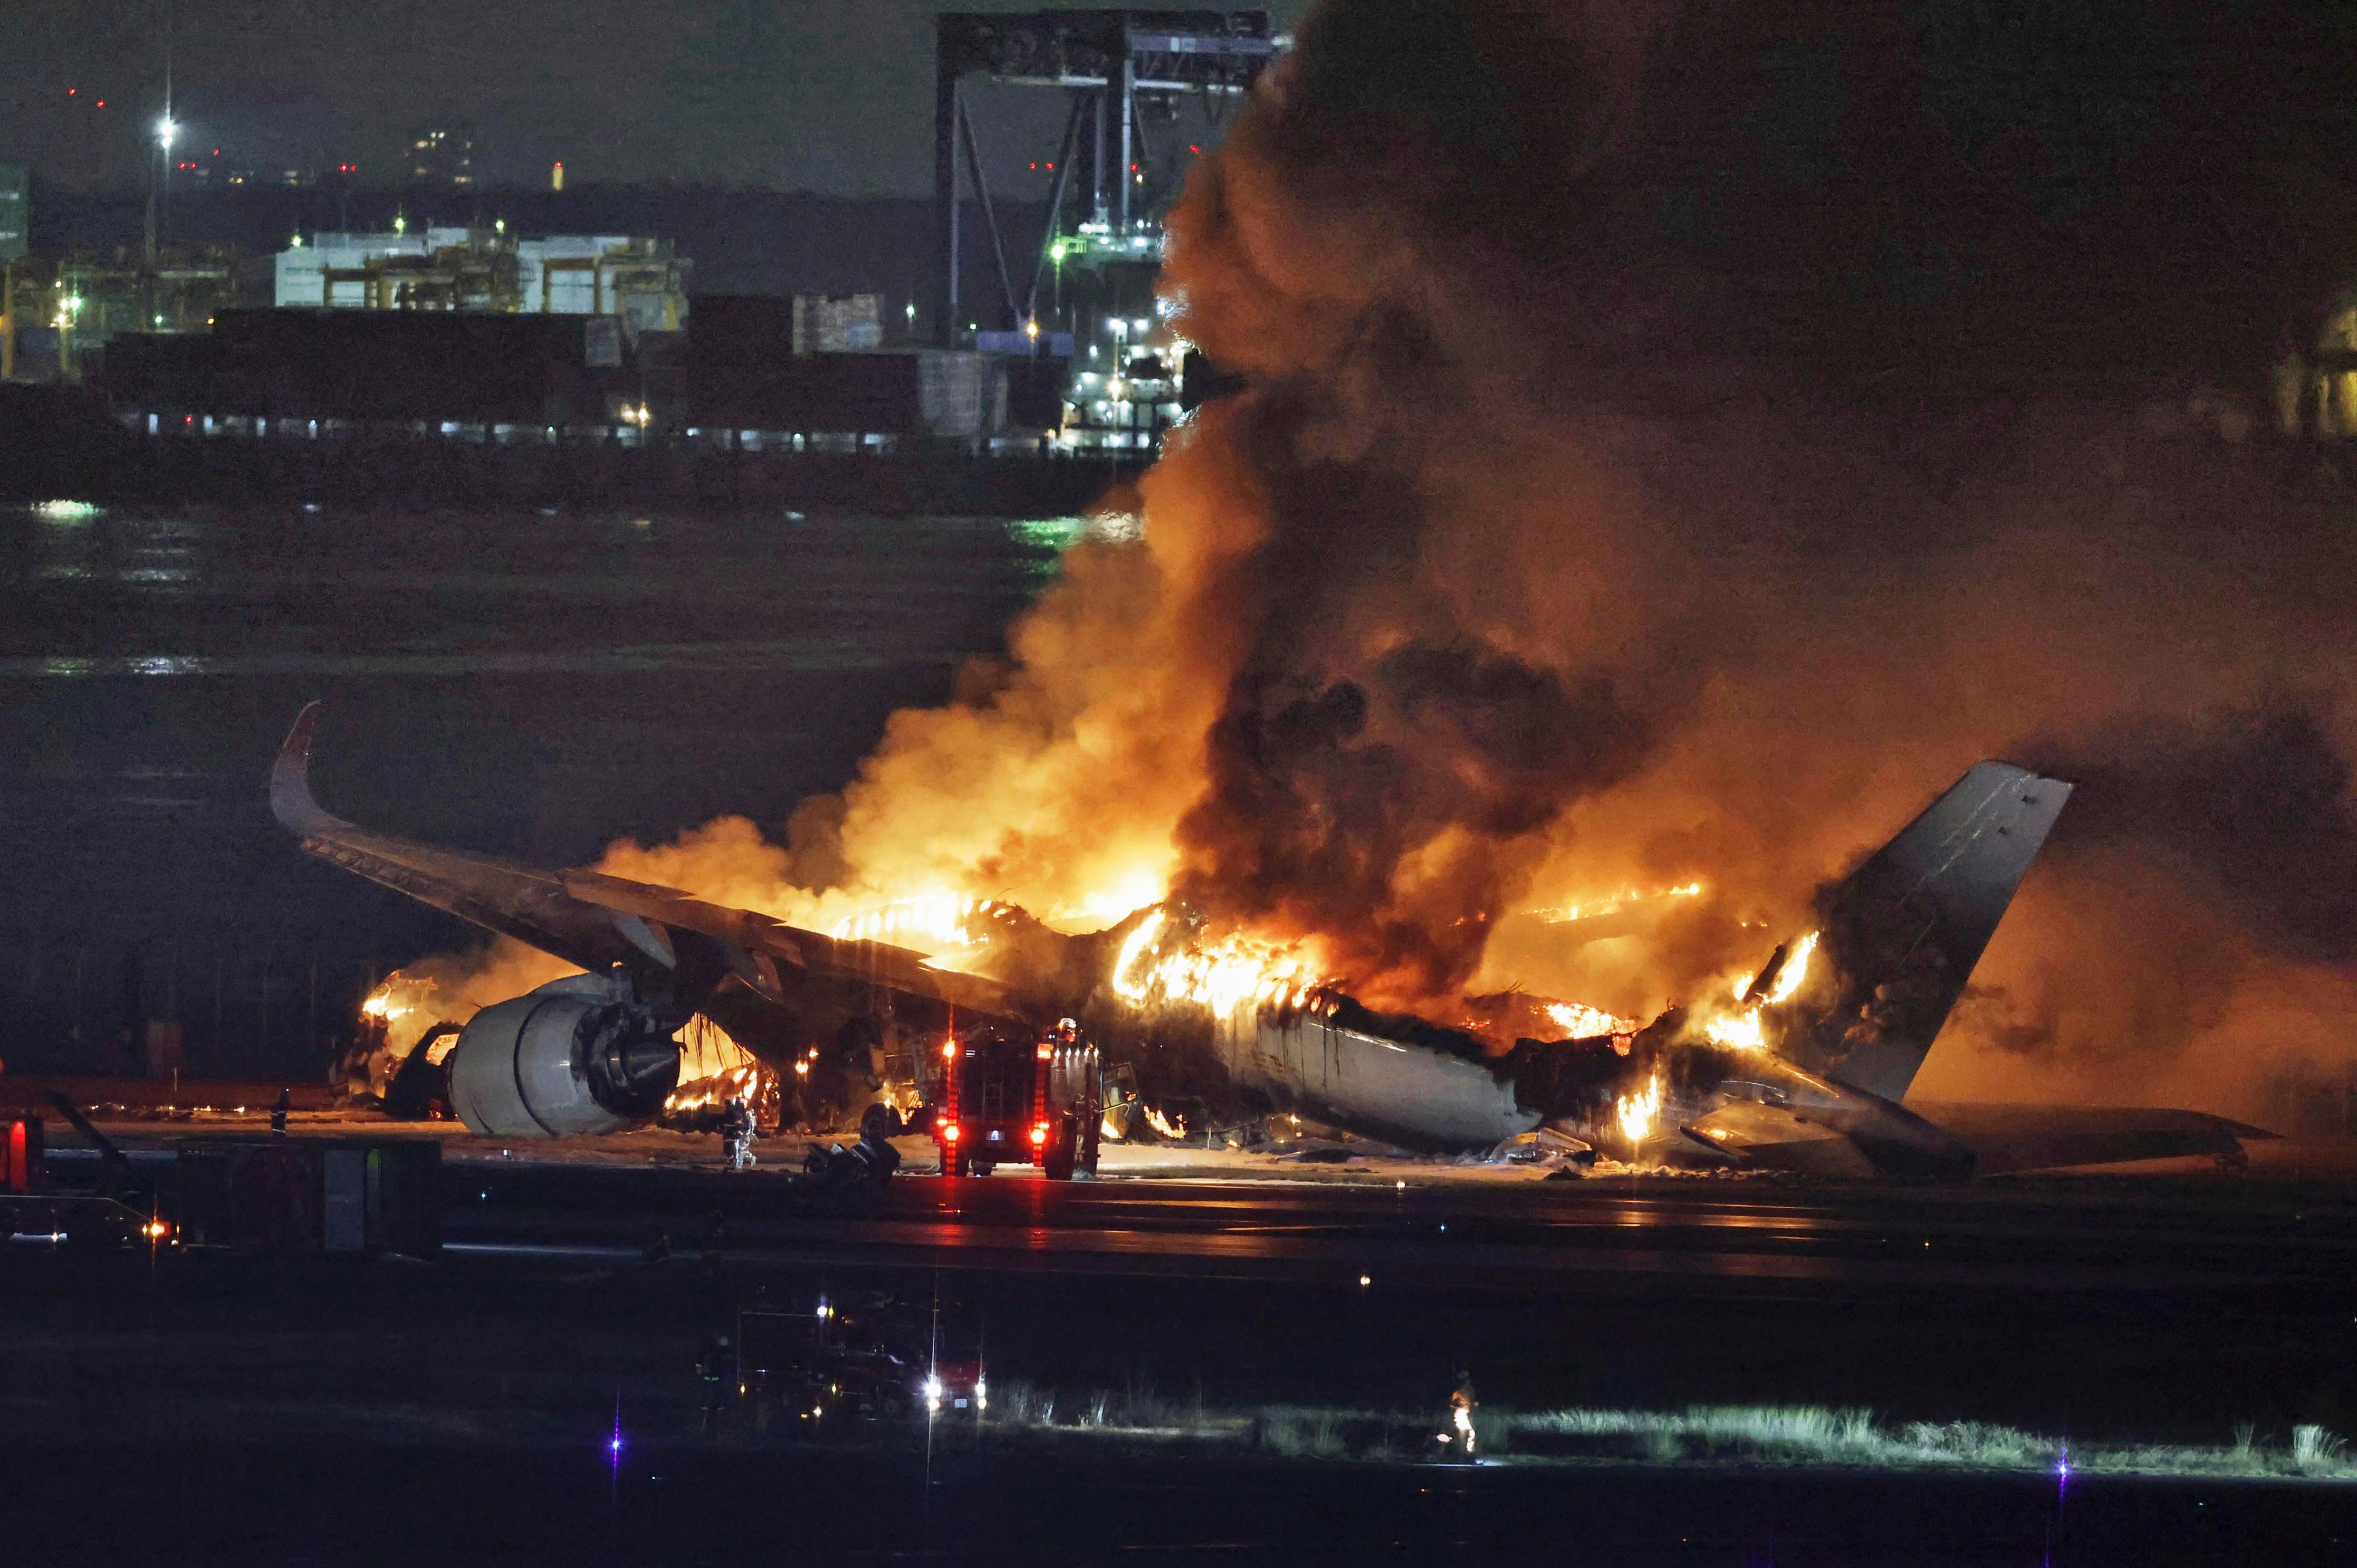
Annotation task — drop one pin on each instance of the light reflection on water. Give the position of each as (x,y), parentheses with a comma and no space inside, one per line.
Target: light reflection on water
(272,591)
(802,656)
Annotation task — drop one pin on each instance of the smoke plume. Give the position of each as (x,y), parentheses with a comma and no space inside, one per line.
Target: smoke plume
(1671,452)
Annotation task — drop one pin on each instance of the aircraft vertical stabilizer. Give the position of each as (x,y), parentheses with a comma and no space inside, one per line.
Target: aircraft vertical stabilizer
(1907,927)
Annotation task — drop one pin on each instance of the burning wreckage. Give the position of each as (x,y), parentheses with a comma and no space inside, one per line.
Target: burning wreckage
(1801,1067)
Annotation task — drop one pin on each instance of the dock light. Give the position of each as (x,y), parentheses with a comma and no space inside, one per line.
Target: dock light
(157,1230)
(933,1393)
(949,1051)
(1366,1280)
(802,1068)
(1046,1050)
(1031,329)
(167,131)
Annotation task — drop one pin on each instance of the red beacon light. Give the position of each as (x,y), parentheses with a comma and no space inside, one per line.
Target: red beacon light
(949,1132)
(1039,1134)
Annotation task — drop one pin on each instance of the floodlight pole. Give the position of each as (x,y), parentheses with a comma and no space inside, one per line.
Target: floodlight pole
(163,135)
(947,68)
(1122,171)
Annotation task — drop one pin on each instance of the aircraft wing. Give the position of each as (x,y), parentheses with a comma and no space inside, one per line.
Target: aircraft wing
(2007,1138)
(597,921)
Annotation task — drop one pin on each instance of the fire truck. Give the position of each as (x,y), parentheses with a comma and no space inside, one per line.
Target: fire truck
(1016,1101)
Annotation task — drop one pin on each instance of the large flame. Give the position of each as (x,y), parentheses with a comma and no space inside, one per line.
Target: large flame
(1637,1111)
(930,922)
(1534,569)
(1741,1026)
(1613,903)
(408,1001)
(1233,972)
(1584,1023)
(749,1084)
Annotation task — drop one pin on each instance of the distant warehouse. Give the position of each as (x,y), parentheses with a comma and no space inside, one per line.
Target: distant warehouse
(638,280)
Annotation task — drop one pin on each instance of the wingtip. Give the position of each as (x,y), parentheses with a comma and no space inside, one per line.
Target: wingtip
(290,776)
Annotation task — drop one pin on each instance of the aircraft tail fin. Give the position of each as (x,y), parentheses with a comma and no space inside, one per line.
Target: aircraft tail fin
(1903,931)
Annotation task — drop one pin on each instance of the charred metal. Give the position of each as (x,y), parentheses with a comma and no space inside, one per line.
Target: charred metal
(1805,1068)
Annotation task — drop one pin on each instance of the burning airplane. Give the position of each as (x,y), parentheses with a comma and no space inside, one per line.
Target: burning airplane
(1801,1066)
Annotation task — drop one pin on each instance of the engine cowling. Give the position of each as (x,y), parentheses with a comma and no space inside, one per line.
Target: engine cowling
(578,1055)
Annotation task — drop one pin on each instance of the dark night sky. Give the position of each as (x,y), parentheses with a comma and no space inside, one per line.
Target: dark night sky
(2067,162)
(824,95)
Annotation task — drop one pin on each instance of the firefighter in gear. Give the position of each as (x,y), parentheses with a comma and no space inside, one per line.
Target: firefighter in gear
(1461,1405)
(737,1135)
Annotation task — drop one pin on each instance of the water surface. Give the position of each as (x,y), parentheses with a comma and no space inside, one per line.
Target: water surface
(526,682)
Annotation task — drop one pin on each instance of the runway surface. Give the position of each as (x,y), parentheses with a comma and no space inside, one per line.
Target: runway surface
(1634,1234)
(2285,1232)
(577,1286)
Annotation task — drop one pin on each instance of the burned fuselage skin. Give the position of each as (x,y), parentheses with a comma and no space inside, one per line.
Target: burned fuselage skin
(1337,1064)
(1414,1095)
(1803,1069)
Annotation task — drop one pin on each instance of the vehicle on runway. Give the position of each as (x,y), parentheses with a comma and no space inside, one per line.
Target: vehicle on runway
(1803,1069)
(881,1360)
(1006,1102)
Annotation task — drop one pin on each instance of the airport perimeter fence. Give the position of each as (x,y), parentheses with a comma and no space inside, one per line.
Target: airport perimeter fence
(221,1003)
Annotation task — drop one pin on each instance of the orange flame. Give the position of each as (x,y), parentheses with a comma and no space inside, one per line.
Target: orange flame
(1742,1028)
(1580,1022)
(1615,903)
(1222,976)
(1639,1112)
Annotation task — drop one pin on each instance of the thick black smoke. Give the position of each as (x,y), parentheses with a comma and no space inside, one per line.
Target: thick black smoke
(2254,814)
(1320,799)
(1678,439)
(1782,412)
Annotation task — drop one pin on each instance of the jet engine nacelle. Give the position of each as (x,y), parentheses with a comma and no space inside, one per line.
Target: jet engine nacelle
(580,1055)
